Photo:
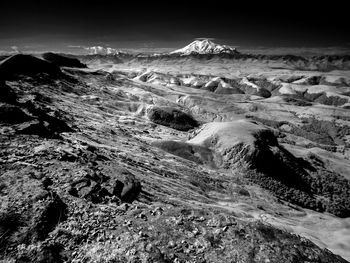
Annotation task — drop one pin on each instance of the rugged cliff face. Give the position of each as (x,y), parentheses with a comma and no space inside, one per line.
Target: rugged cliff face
(127,166)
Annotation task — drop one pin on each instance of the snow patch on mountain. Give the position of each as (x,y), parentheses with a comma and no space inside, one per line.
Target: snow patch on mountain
(204,46)
(99,50)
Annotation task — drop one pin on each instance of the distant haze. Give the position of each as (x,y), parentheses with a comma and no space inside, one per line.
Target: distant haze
(159,26)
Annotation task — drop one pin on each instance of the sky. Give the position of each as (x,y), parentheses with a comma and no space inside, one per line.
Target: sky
(69,25)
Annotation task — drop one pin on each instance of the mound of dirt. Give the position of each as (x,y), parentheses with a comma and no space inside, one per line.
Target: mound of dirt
(264,83)
(230,144)
(172,118)
(27,65)
(234,141)
(244,143)
(63,61)
(252,89)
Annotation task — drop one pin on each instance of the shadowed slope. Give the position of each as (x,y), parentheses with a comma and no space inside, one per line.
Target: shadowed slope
(26,65)
(63,61)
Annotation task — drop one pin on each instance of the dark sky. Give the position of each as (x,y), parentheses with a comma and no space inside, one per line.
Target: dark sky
(44,25)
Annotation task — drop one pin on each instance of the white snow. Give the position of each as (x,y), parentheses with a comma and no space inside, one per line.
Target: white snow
(204,46)
(98,50)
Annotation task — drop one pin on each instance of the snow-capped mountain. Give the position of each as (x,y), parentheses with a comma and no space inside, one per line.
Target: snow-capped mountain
(98,50)
(204,46)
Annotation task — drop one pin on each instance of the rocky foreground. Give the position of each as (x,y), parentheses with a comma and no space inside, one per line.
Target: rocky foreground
(134,165)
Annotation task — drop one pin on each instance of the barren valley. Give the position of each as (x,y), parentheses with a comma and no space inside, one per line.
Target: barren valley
(204,154)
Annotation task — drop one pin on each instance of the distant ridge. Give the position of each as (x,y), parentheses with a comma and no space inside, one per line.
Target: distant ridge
(27,65)
(62,61)
(99,50)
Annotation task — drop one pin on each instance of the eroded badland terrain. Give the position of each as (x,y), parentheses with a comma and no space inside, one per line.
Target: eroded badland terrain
(174,158)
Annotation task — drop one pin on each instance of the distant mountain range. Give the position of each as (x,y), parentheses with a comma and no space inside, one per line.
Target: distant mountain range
(199,46)
(99,50)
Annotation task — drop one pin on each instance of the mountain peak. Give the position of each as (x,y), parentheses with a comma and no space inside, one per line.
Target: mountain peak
(204,46)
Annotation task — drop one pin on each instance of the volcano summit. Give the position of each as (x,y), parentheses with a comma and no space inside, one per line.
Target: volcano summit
(204,46)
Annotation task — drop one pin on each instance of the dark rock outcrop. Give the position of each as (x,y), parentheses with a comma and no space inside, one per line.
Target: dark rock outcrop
(92,189)
(172,118)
